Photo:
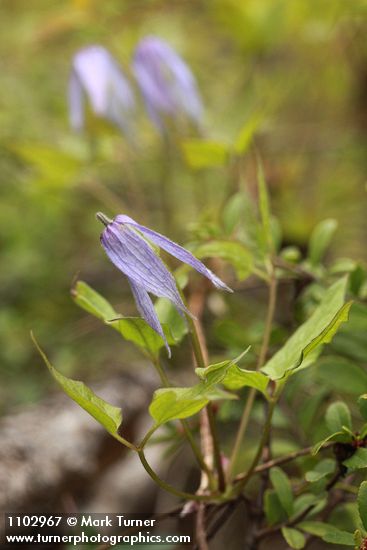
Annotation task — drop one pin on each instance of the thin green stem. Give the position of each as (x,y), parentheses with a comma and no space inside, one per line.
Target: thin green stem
(261,360)
(147,436)
(237,490)
(170,489)
(261,274)
(162,374)
(285,459)
(216,448)
(245,418)
(195,343)
(125,442)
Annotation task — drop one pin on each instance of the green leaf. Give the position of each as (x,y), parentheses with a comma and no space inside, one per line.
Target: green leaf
(337,436)
(232,377)
(233,212)
(200,153)
(362,503)
(274,512)
(353,346)
(317,528)
(304,501)
(213,374)
(317,330)
(321,470)
(245,135)
(133,329)
(358,460)
(232,252)
(337,416)
(342,265)
(173,403)
(89,300)
(109,416)
(357,320)
(339,537)
(320,240)
(294,538)
(327,533)
(341,375)
(283,489)
(357,280)
(237,378)
(362,404)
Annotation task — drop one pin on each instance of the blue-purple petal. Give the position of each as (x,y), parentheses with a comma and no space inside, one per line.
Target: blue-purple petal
(175,250)
(96,73)
(132,255)
(166,82)
(147,311)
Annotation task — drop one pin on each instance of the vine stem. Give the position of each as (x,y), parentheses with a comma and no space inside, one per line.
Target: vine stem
(199,357)
(201,528)
(284,459)
(261,360)
(169,488)
(125,442)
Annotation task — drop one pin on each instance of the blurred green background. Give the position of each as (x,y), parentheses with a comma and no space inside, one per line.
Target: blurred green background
(299,67)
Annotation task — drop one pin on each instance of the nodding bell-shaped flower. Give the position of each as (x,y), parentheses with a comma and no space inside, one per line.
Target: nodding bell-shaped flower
(126,243)
(166,82)
(96,74)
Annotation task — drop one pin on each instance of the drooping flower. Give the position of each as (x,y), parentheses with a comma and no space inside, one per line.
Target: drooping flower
(165,81)
(97,75)
(126,244)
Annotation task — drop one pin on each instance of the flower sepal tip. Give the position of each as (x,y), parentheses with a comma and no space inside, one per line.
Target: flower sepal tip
(103,218)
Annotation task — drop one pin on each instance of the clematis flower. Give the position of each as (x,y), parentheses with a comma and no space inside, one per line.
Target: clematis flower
(166,82)
(126,243)
(96,74)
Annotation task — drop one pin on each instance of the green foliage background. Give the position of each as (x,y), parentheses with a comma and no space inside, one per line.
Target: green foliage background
(299,66)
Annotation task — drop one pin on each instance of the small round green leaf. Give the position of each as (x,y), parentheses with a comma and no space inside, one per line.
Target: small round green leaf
(283,489)
(320,240)
(338,416)
(294,538)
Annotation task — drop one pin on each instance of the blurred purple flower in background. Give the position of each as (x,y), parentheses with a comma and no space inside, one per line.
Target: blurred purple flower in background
(165,81)
(96,74)
(125,245)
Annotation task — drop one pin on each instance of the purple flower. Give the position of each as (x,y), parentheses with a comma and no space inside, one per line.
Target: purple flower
(96,74)
(166,82)
(126,244)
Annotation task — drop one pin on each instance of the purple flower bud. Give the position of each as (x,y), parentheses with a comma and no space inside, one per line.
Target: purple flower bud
(96,74)
(166,82)
(126,244)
